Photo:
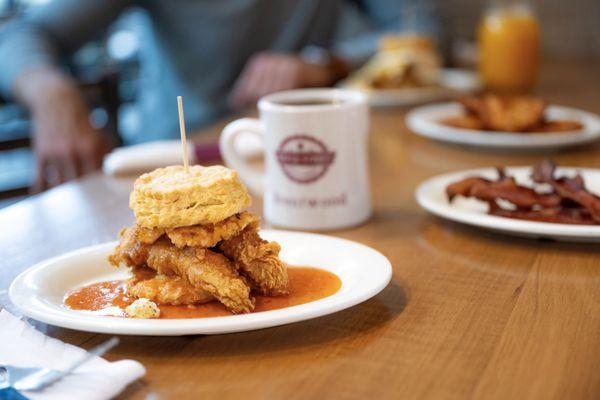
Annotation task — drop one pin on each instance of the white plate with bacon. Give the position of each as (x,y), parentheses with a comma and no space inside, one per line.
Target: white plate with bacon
(486,200)
(327,274)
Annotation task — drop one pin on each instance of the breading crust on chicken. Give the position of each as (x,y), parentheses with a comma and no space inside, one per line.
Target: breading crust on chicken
(258,260)
(131,250)
(189,273)
(209,235)
(203,269)
(206,236)
(164,289)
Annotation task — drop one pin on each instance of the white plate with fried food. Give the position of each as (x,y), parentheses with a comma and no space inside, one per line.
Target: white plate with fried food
(545,127)
(452,82)
(40,291)
(471,197)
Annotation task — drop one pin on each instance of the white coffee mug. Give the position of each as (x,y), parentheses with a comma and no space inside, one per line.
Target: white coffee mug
(316,168)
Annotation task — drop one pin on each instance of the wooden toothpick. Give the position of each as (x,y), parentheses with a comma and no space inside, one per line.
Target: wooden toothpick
(183,136)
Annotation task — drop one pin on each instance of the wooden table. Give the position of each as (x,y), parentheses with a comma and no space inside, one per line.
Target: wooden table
(469,314)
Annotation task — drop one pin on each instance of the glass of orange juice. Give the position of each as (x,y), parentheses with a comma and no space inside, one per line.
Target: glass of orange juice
(509,40)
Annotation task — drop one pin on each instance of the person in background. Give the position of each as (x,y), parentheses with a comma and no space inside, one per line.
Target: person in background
(219,55)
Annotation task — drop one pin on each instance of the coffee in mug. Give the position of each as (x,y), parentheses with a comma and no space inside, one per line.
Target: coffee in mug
(316,167)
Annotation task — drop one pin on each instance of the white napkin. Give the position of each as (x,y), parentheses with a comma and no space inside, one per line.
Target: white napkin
(24,346)
(144,157)
(148,156)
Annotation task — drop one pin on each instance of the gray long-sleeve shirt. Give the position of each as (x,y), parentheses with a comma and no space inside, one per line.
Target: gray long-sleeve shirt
(196,48)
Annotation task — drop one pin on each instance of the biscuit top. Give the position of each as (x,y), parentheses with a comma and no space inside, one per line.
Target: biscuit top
(174,178)
(170,197)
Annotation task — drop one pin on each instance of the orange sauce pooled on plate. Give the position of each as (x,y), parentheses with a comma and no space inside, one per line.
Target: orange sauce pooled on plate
(306,284)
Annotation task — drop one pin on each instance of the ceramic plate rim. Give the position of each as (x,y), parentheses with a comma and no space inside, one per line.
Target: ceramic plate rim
(412,96)
(75,320)
(419,121)
(432,186)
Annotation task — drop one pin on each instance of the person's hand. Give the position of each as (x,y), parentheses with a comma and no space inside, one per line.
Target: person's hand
(65,144)
(268,72)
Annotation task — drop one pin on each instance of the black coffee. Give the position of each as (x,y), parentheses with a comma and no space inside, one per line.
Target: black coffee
(309,102)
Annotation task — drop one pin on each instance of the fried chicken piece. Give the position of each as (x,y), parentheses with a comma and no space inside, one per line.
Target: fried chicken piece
(209,235)
(515,114)
(131,251)
(163,289)
(132,248)
(258,260)
(148,235)
(473,105)
(205,270)
(506,113)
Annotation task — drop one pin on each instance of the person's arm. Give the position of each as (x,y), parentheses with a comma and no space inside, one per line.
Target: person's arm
(31,47)
(45,34)
(365,21)
(269,72)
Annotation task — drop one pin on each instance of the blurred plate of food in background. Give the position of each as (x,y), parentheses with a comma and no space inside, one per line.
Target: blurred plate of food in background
(517,122)
(406,71)
(540,202)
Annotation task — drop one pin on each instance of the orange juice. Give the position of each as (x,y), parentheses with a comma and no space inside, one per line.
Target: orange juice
(509,49)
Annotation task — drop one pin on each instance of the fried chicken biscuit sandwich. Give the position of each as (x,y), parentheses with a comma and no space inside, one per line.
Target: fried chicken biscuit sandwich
(193,241)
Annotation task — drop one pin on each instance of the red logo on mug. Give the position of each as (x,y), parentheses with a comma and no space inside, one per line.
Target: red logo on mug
(303,158)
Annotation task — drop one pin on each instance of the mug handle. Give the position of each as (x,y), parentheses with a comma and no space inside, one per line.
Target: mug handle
(254,178)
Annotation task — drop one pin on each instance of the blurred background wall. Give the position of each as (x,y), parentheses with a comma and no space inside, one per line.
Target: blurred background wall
(107,68)
(570,28)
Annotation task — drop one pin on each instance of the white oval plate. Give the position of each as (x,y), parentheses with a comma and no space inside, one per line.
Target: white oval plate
(431,195)
(453,82)
(39,291)
(424,121)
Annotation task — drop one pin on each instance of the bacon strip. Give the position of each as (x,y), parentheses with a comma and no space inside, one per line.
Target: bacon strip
(569,203)
(506,189)
(568,188)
